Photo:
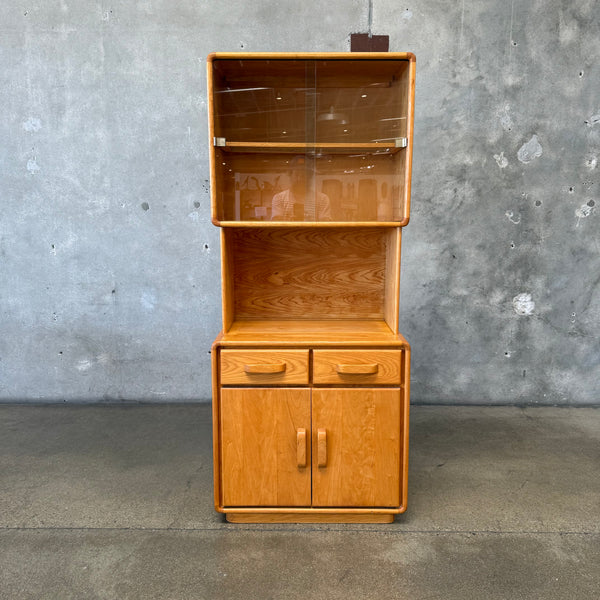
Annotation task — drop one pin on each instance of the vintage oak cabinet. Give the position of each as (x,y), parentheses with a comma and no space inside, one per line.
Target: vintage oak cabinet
(310,185)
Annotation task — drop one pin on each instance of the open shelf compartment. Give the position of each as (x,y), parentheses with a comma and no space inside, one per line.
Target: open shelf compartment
(312,278)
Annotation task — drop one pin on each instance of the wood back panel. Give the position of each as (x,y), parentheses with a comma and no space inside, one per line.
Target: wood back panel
(296,273)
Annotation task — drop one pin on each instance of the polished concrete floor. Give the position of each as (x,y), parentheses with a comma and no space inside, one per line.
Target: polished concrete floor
(115,502)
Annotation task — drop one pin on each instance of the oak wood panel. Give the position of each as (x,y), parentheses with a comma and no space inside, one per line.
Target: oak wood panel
(311,333)
(211,133)
(301,441)
(291,273)
(227,286)
(216,422)
(313,55)
(391,305)
(363,447)
(326,365)
(235,363)
(309,517)
(307,224)
(259,447)
(405,425)
(407,156)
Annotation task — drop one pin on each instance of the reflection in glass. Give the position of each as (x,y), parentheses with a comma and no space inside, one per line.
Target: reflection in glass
(301,201)
(309,188)
(310,141)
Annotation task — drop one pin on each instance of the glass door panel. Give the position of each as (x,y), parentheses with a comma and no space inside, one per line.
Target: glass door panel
(304,188)
(310,141)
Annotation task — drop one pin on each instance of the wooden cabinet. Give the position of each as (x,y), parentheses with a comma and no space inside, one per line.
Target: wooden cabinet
(274,439)
(310,184)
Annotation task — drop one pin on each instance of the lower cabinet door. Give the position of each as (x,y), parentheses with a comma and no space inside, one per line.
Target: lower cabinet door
(265,447)
(356,440)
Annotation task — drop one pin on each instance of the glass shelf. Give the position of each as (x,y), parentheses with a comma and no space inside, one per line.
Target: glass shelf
(313,148)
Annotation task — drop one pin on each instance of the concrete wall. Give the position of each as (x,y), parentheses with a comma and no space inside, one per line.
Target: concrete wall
(109,270)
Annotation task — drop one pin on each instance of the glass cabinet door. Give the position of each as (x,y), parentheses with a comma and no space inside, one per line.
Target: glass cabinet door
(310,141)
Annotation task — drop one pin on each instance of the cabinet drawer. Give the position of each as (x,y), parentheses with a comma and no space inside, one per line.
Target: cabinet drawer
(357,366)
(264,367)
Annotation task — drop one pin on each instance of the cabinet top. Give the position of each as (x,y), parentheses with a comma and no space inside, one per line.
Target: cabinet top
(313,56)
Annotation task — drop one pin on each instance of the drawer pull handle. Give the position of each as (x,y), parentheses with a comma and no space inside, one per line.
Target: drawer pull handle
(301,446)
(357,369)
(264,369)
(322,447)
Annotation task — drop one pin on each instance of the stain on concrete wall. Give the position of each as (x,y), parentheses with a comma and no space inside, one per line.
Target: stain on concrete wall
(109,268)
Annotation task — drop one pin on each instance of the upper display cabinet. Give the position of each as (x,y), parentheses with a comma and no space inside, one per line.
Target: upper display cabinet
(311,139)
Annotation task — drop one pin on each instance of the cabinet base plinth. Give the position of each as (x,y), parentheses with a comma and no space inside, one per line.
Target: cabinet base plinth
(316,517)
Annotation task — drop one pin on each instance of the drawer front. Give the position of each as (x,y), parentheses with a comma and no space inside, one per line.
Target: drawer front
(264,367)
(364,367)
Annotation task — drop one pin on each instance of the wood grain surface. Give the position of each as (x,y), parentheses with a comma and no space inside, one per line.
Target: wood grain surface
(326,365)
(311,333)
(259,447)
(264,367)
(313,516)
(363,447)
(308,273)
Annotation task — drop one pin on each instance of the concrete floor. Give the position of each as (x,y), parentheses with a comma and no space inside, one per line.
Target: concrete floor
(115,502)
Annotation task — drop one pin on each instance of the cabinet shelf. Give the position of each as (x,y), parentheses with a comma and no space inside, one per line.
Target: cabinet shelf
(351,332)
(313,148)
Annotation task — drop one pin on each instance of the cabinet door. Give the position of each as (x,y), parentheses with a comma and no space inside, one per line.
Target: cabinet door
(265,447)
(356,442)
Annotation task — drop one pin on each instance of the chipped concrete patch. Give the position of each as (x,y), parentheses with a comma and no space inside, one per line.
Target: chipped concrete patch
(84,365)
(510,215)
(523,305)
(501,160)
(32,125)
(584,211)
(505,119)
(148,300)
(530,150)
(593,120)
(32,166)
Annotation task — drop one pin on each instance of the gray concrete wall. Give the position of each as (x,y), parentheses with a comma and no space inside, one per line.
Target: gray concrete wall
(109,267)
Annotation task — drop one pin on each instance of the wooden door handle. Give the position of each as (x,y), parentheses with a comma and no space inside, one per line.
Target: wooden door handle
(322,447)
(265,368)
(301,446)
(370,369)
